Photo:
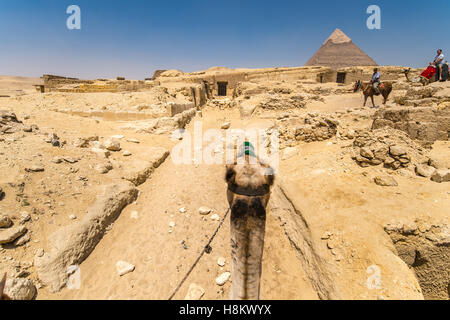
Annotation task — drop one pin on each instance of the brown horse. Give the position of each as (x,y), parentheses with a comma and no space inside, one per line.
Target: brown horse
(369,91)
(3,296)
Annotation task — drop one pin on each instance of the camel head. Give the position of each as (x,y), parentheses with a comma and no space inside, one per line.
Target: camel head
(406,71)
(249,181)
(3,296)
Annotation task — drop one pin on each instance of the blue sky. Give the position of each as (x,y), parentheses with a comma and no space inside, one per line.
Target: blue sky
(135,37)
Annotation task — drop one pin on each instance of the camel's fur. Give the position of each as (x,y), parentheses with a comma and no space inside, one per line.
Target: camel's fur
(248,218)
(3,296)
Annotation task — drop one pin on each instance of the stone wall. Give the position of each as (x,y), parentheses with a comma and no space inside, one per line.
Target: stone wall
(426,124)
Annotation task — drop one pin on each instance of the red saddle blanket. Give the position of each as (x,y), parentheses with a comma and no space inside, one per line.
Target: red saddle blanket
(429,72)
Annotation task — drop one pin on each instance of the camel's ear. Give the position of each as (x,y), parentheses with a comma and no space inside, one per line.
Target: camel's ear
(270,176)
(230,174)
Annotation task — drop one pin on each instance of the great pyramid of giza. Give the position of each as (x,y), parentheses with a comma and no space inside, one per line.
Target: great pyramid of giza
(338,51)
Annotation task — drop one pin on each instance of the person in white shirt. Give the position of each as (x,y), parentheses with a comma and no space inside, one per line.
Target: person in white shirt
(438,62)
(375,81)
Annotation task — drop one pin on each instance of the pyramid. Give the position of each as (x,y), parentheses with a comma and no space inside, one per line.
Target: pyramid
(338,51)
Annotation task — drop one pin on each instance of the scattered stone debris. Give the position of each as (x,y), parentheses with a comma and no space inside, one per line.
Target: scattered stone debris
(104,168)
(204,211)
(226,125)
(215,217)
(390,147)
(53,139)
(124,267)
(441,176)
(195,292)
(385,181)
(112,145)
(20,289)
(221,261)
(424,170)
(11,234)
(5,221)
(35,168)
(223,278)
(311,128)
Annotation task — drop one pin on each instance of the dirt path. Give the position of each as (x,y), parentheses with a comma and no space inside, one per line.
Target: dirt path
(159,256)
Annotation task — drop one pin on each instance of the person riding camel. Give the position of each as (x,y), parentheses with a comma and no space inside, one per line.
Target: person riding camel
(438,62)
(376,81)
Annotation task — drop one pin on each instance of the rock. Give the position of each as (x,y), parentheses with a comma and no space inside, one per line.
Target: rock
(215,217)
(57,160)
(53,139)
(424,170)
(226,125)
(22,240)
(223,278)
(81,143)
(221,261)
(112,145)
(101,152)
(140,170)
(70,160)
(204,211)
(441,176)
(366,153)
(195,292)
(172,224)
(104,168)
(397,151)
(11,234)
(124,267)
(132,140)
(385,181)
(27,129)
(34,168)
(72,244)
(126,153)
(182,210)
(5,221)
(435,163)
(72,217)
(24,217)
(351,134)
(40,252)
(20,289)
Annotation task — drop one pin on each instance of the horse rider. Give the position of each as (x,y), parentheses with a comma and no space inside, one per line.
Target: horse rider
(376,81)
(438,62)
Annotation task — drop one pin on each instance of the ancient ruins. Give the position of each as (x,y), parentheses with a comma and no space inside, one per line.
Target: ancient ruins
(94,206)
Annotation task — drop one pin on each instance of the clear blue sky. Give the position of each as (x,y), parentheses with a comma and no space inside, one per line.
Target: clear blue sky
(132,38)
